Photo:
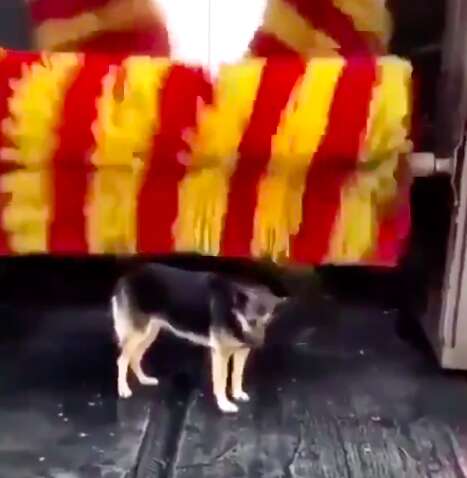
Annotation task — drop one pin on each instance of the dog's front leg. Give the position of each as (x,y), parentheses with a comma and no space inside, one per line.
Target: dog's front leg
(220,367)
(239,361)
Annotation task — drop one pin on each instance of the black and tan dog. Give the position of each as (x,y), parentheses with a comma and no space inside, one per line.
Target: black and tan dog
(205,308)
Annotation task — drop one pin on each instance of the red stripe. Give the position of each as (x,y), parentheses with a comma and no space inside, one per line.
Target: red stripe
(325,16)
(277,82)
(153,41)
(42,10)
(10,68)
(71,162)
(158,198)
(335,160)
(394,226)
(393,235)
(267,44)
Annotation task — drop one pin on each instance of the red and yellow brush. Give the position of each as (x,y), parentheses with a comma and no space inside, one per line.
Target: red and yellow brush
(296,161)
(107,26)
(322,28)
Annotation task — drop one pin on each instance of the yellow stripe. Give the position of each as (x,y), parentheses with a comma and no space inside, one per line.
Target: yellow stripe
(55,33)
(282,20)
(203,192)
(35,109)
(369,188)
(368,16)
(389,120)
(123,132)
(279,210)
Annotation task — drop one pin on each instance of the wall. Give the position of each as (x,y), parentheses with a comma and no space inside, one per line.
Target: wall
(13,24)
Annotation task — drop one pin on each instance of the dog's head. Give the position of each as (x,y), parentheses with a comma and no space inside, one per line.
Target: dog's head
(253,309)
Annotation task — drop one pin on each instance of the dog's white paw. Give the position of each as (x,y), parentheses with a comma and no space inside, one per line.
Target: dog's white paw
(227,406)
(151,381)
(124,391)
(241,396)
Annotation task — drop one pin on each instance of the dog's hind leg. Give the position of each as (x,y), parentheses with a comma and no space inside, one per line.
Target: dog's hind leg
(150,335)
(129,339)
(128,349)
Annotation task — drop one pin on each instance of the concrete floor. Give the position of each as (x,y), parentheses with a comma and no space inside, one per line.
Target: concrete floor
(336,394)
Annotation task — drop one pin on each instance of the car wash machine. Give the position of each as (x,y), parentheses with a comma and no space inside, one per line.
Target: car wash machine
(306,151)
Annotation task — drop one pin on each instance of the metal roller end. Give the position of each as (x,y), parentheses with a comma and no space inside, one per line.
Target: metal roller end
(426,164)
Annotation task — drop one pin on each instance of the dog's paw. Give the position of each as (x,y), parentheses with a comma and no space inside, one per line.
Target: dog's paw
(151,381)
(241,396)
(227,406)
(124,391)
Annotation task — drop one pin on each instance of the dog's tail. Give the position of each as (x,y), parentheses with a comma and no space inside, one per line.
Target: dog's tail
(121,313)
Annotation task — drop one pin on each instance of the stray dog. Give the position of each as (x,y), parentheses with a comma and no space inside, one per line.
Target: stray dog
(205,308)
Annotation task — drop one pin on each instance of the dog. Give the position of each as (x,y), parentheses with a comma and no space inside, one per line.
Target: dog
(206,308)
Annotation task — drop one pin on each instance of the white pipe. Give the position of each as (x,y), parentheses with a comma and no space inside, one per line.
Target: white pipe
(425,164)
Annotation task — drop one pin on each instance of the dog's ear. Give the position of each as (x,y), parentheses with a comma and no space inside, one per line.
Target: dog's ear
(229,292)
(279,300)
(276,302)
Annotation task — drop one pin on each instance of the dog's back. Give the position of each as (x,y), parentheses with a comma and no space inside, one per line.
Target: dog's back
(178,297)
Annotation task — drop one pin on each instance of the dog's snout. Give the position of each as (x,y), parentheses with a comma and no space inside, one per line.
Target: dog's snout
(257,339)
